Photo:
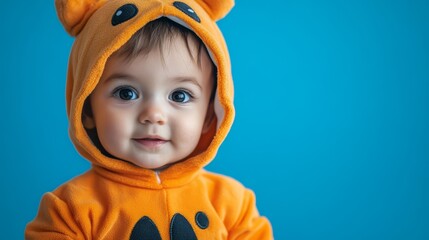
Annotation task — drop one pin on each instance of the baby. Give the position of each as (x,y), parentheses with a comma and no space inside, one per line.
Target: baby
(149,99)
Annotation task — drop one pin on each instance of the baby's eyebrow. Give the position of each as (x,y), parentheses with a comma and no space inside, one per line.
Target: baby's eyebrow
(188,79)
(119,76)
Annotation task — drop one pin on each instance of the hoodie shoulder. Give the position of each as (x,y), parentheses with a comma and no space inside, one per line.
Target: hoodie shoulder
(236,205)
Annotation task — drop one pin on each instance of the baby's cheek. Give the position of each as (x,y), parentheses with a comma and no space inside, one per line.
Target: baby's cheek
(115,133)
(189,130)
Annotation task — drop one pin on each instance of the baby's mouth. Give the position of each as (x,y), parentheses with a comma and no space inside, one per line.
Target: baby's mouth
(151,142)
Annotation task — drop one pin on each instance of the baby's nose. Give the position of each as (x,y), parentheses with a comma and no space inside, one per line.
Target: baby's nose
(153,114)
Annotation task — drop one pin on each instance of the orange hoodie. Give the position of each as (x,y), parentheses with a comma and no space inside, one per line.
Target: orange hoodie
(117,200)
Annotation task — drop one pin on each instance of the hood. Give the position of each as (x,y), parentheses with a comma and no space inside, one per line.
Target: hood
(101,27)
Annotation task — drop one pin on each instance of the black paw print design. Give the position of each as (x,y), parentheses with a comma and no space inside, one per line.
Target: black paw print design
(180,228)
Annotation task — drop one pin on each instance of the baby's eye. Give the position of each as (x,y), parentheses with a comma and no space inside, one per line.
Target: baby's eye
(126,93)
(180,96)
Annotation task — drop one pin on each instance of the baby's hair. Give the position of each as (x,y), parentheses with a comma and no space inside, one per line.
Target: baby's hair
(158,33)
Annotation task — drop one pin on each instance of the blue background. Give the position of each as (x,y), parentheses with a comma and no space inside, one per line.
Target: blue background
(332,126)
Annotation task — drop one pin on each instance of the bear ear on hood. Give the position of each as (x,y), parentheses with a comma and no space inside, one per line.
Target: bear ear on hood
(217,9)
(74,14)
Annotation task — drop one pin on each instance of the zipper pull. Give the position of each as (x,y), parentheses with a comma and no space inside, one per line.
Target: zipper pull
(158,179)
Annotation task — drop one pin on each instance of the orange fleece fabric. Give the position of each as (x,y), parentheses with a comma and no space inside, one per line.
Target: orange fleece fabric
(117,200)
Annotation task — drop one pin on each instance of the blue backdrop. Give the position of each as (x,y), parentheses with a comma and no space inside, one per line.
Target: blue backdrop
(332,126)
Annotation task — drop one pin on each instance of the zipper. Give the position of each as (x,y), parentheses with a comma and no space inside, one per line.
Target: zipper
(158,179)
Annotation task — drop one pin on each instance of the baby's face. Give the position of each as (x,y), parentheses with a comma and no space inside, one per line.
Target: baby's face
(151,111)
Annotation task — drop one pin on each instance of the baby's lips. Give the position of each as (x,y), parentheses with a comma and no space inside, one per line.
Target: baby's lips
(151,142)
(153,137)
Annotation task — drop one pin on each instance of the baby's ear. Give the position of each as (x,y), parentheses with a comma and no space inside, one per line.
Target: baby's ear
(88,122)
(74,14)
(87,116)
(217,9)
(210,117)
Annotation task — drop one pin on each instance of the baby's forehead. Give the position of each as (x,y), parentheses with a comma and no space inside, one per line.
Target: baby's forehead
(174,63)
(170,54)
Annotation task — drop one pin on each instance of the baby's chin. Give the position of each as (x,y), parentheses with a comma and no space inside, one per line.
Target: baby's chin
(155,164)
(150,161)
